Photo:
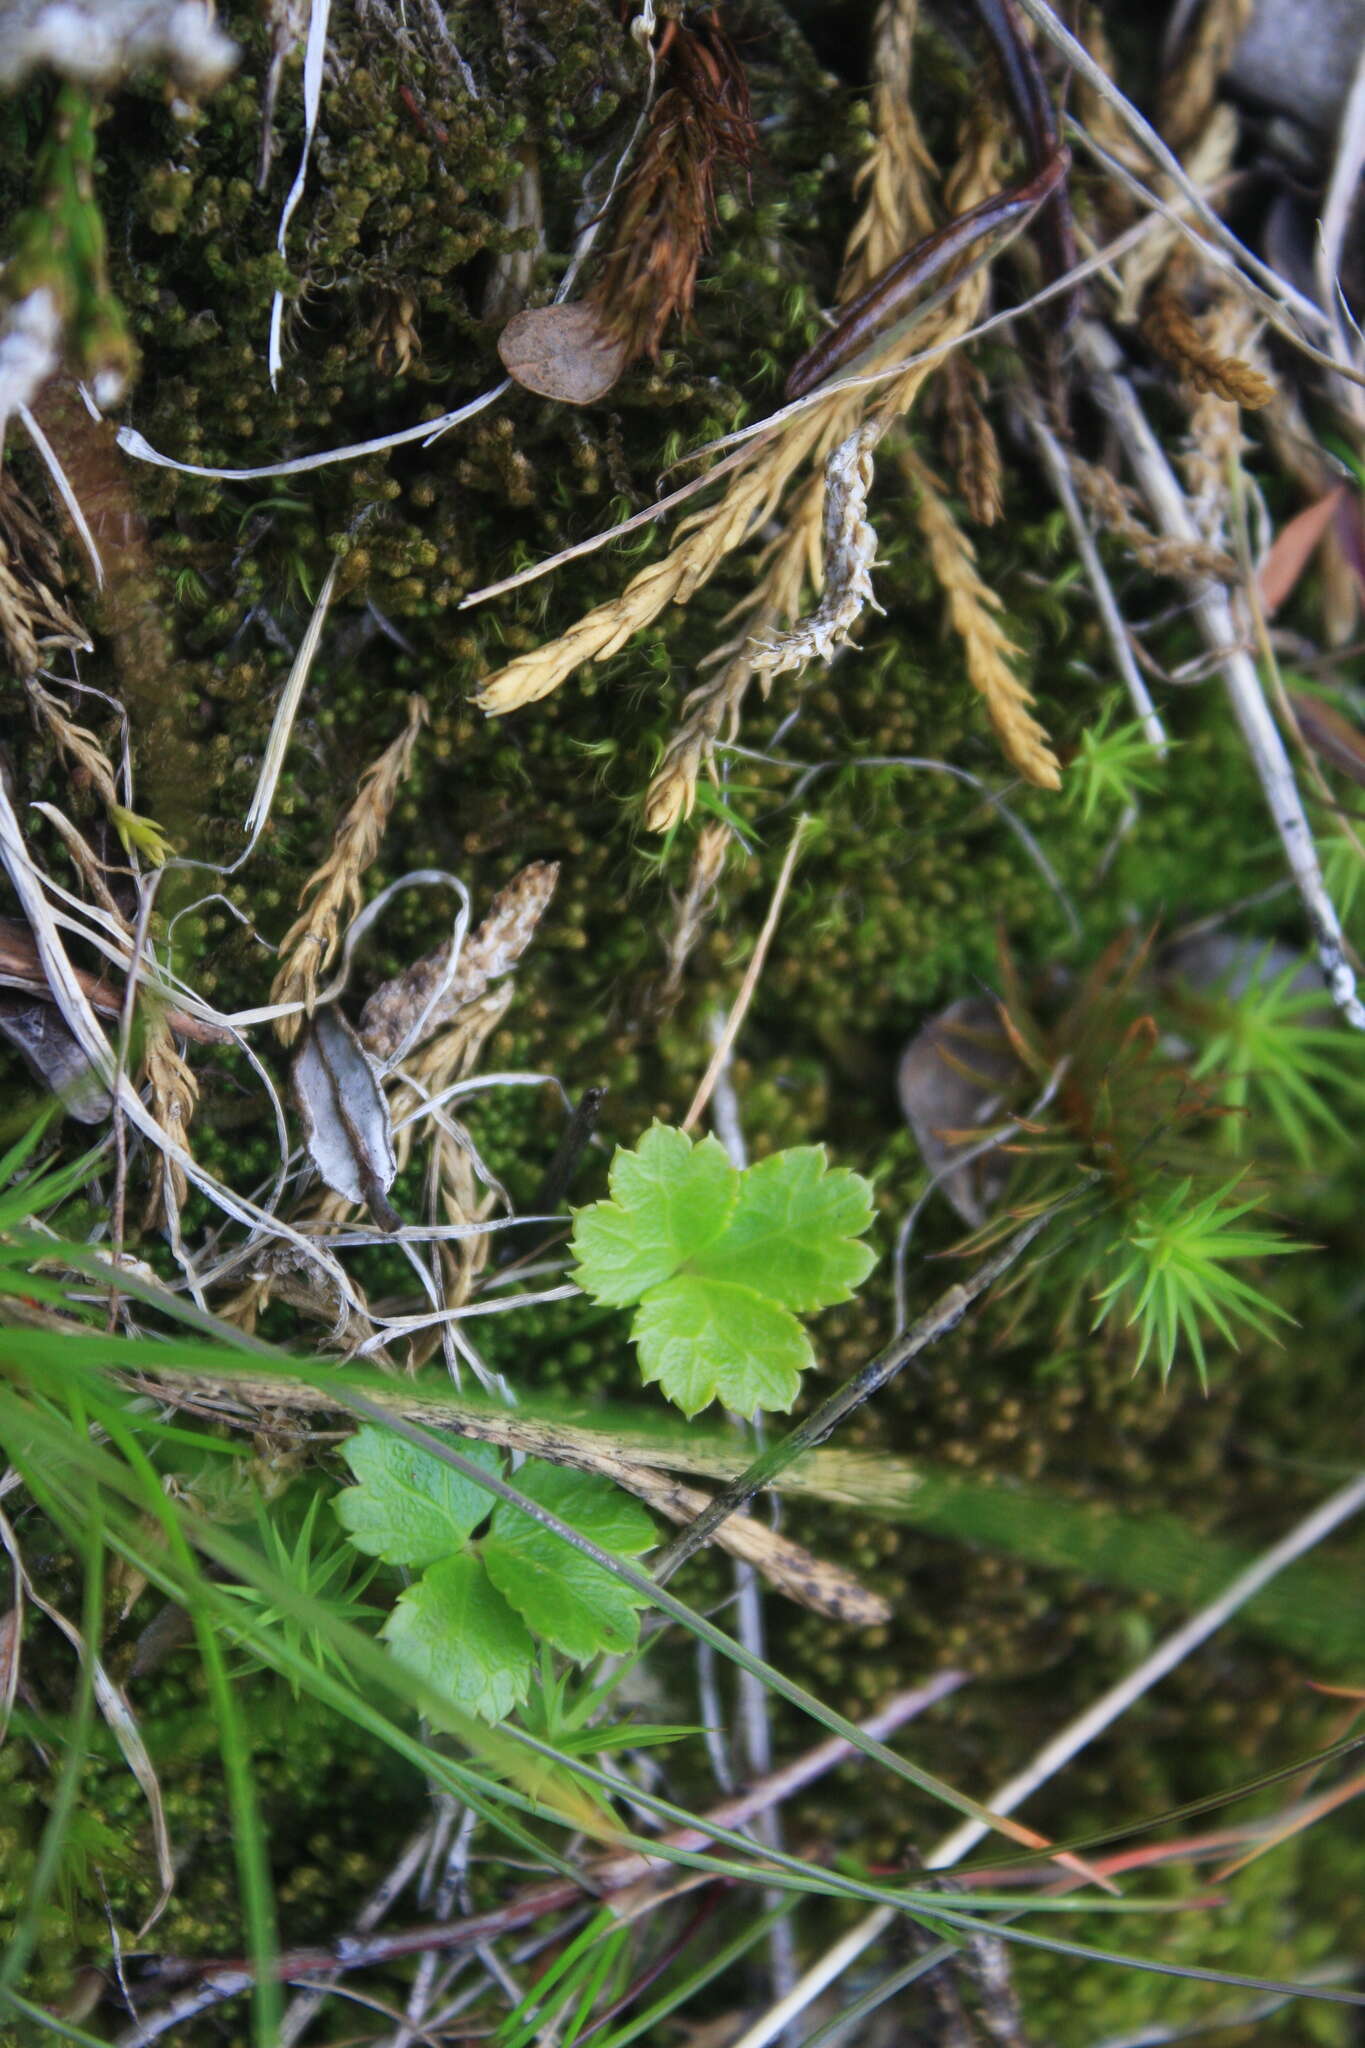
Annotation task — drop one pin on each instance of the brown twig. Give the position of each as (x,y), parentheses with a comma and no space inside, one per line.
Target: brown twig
(604,1878)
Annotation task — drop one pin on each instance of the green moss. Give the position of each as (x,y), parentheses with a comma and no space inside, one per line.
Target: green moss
(897,906)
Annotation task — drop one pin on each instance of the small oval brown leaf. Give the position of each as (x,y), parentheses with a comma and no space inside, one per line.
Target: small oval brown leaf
(562,352)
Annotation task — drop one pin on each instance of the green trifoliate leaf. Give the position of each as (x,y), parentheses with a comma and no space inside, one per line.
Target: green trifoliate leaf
(409,1508)
(709,1340)
(794,1230)
(561,1594)
(455,1631)
(718,1259)
(670,1199)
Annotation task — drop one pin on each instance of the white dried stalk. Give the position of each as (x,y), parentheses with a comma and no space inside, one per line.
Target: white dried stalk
(314,53)
(283,724)
(52,462)
(74,1005)
(1106,604)
(850,548)
(1218,623)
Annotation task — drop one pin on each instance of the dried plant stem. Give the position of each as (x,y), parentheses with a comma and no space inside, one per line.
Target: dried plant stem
(789,1566)
(1112,505)
(739,1008)
(1061,1750)
(334,890)
(1111,618)
(944,1315)
(1222,633)
(1312,1530)
(973,607)
(698,899)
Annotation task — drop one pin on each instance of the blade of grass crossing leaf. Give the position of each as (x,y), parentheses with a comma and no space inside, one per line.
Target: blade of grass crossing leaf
(705,1631)
(87,1463)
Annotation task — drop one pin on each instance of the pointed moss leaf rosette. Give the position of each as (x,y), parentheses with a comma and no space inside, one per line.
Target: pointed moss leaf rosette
(469,1624)
(721,1260)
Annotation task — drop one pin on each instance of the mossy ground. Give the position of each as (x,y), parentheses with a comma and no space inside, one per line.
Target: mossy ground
(900,902)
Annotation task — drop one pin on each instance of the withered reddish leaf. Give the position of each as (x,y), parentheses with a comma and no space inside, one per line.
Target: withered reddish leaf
(1293,548)
(21,967)
(562,352)
(350,1131)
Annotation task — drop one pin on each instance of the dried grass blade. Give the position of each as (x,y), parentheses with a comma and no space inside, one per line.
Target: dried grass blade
(285,713)
(315,50)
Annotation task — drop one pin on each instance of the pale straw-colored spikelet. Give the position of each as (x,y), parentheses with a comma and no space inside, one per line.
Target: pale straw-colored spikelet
(453,1189)
(173,1094)
(970,440)
(1191,85)
(76,743)
(333,893)
(796,555)
(704,540)
(416,1003)
(1218,373)
(972,609)
(896,178)
(1216,440)
(1111,504)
